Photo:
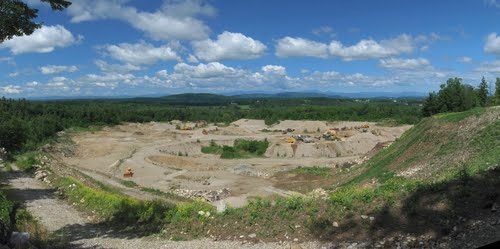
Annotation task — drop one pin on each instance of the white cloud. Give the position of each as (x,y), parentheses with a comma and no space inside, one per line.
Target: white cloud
(364,49)
(162,73)
(53,69)
(121,68)
(465,60)
(32,83)
(405,64)
(371,49)
(141,53)
(492,45)
(176,20)
(232,46)
(209,70)
(489,67)
(324,30)
(10,89)
(274,69)
(192,59)
(494,3)
(43,40)
(14,74)
(296,46)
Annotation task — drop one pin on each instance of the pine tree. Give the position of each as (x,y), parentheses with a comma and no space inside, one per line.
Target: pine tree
(483,92)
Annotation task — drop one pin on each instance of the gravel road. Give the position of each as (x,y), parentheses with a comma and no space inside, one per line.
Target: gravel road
(58,216)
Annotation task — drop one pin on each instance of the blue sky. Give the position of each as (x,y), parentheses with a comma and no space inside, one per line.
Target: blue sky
(127,47)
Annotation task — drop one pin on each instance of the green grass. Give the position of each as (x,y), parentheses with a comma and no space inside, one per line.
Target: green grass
(243,148)
(168,195)
(212,148)
(459,116)
(128,183)
(26,161)
(319,171)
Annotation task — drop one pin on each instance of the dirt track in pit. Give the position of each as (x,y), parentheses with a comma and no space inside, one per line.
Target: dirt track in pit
(152,151)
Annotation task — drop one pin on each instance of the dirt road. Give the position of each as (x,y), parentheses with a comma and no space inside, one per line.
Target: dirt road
(59,217)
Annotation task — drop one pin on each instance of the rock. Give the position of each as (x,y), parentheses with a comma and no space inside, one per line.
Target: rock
(295,240)
(494,207)
(295,246)
(335,224)
(253,235)
(221,206)
(20,240)
(364,217)
(372,218)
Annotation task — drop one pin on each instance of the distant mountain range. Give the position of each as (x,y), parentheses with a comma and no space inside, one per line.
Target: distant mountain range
(183,97)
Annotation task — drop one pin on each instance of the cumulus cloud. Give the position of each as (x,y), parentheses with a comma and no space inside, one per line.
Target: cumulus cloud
(106,67)
(274,69)
(364,49)
(53,69)
(43,40)
(371,49)
(141,53)
(489,67)
(10,89)
(229,46)
(465,60)
(296,46)
(492,45)
(209,70)
(405,64)
(175,20)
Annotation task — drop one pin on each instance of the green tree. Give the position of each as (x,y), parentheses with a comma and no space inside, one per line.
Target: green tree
(497,91)
(483,92)
(16,17)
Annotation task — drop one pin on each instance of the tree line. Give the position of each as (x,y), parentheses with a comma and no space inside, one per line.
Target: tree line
(456,96)
(24,125)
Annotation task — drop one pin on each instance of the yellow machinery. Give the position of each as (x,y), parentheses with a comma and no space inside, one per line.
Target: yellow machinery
(290,140)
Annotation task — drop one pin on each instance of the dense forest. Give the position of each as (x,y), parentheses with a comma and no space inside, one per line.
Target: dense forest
(456,96)
(26,124)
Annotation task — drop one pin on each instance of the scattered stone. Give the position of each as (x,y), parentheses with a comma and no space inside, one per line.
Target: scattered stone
(335,224)
(253,235)
(208,195)
(364,217)
(372,218)
(295,246)
(295,240)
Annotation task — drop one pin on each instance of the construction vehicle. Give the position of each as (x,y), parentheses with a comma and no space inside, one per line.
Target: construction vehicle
(128,173)
(187,128)
(291,140)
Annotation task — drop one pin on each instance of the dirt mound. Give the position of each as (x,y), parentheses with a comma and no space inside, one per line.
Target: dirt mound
(250,124)
(301,126)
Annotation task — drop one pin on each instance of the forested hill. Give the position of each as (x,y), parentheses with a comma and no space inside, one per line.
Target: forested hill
(27,124)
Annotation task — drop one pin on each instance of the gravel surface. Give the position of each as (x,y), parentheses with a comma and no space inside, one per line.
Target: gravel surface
(58,216)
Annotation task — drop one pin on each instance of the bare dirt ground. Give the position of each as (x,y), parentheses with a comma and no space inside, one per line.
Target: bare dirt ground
(171,160)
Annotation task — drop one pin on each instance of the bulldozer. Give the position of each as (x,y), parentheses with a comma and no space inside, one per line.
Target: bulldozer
(128,173)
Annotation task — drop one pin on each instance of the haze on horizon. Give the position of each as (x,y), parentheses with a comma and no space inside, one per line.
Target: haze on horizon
(134,48)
